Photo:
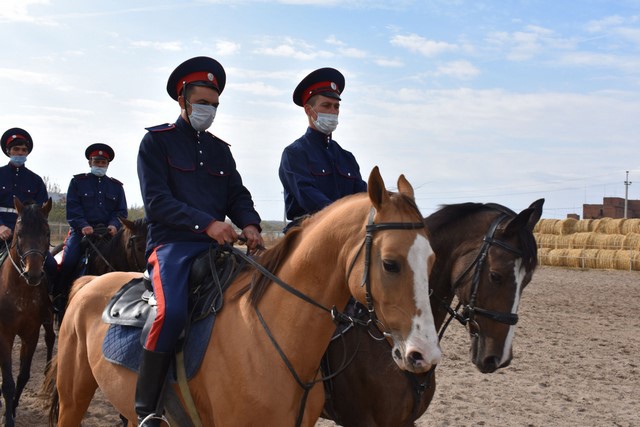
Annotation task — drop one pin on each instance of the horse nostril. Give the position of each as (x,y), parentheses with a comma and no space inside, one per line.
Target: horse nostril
(490,364)
(397,354)
(415,357)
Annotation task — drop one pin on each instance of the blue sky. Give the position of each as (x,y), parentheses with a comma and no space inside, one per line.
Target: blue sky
(485,101)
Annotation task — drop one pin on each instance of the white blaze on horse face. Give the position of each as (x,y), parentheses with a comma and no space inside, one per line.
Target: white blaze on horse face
(423,338)
(519,273)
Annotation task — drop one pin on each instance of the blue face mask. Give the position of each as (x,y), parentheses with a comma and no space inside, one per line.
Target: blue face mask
(18,160)
(97,171)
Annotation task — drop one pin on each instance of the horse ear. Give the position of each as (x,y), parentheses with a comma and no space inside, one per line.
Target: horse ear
(17,204)
(404,187)
(125,222)
(526,219)
(46,207)
(377,191)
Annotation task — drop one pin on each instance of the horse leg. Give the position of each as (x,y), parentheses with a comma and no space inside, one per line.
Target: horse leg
(27,350)
(8,385)
(49,337)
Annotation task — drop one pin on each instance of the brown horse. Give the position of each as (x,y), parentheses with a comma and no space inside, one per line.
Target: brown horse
(485,256)
(24,299)
(125,251)
(263,358)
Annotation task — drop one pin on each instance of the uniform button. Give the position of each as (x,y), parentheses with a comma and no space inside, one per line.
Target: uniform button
(221,172)
(200,151)
(197,227)
(201,163)
(348,173)
(322,170)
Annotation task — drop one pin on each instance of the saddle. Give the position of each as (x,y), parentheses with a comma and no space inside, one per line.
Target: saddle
(131,311)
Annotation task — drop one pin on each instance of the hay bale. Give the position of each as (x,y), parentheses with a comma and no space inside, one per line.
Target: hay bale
(631,241)
(606,259)
(607,241)
(581,240)
(566,226)
(613,226)
(557,257)
(623,260)
(583,226)
(590,257)
(573,258)
(635,263)
(547,226)
(546,240)
(631,225)
(564,242)
(543,255)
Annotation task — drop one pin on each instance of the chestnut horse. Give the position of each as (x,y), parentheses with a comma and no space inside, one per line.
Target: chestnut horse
(263,357)
(24,299)
(485,256)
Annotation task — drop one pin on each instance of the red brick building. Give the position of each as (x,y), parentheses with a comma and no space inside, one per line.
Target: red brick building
(611,207)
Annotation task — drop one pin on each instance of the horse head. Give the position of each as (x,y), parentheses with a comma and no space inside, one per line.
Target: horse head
(134,239)
(31,240)
(398,260)
(489,289)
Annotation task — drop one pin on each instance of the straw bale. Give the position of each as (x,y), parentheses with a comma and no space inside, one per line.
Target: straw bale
(606,259)
(623,260)
(631,241)
(607,241)
(543,256)
(564,242)
(581,240)
(566,226)
(557,257)
(546,240)
(547,226)
(590,257)
(583,226)
(635,264)
(573,258)
(600,225)
(631,225)
(612,226)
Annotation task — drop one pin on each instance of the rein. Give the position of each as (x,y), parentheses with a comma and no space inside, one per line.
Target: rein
(97,251)
(469,311)
(337,316)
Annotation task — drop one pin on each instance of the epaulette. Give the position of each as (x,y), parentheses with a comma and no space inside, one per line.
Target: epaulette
(162,128)
(115,180)
(218,139)
(81,175)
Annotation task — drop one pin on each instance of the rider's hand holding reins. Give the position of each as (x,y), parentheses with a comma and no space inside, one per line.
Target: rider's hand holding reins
(221,232)
(87,231)
(5,232)
(253,238)
(112,230)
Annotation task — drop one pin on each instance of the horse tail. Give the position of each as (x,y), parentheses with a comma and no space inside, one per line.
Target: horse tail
(50,391)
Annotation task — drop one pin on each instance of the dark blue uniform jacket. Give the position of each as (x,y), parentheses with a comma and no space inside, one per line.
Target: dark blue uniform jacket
(189,179)
(315,171)
(93,200)
(22,183)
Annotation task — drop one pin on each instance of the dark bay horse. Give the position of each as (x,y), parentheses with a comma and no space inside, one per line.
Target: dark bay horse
(24,299)
(485,256)
(264,353)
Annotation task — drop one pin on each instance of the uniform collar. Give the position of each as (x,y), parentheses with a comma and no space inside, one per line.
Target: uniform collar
(184,126)
(316,135)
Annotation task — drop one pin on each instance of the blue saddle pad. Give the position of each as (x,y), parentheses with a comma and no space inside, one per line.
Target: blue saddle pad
(122,346)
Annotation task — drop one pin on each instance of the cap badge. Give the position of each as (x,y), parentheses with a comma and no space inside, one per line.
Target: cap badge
(210,77)
(100,153)
(334,86)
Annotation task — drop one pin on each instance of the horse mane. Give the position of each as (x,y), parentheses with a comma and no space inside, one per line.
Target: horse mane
(112,243)
(269,259)
(448,215)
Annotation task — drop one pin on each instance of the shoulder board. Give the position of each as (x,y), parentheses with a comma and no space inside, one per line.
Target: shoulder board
(162,128)
(81,176)
(218,139)
(115,180)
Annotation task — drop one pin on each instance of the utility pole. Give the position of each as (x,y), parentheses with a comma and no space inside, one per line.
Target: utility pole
(627,183)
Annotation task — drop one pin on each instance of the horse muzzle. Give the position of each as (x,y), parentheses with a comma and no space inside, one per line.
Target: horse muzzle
(416,358)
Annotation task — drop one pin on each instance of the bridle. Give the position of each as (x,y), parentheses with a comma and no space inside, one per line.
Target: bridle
(22,256)
(470,311)
(131,246)
(337,316)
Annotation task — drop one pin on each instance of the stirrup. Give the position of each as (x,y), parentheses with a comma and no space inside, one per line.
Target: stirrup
(153,417)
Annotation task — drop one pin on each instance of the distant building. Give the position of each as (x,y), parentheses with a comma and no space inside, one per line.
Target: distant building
(611,207)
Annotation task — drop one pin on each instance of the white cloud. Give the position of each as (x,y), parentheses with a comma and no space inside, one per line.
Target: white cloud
(463,70)
(27,77)
(18,11)
(292,48)
(175,46)
(389,62)
(428,48)
(226,47)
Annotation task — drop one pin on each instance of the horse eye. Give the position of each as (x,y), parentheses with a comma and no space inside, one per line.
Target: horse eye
(495,277)
(391,266)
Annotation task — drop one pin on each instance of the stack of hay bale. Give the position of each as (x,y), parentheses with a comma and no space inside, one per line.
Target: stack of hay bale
(605,243)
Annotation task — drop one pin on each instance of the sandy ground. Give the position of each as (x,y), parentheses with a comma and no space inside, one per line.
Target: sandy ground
(576,362)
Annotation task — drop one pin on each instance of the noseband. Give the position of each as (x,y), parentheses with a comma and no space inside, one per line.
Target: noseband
(469,311)
(22,256)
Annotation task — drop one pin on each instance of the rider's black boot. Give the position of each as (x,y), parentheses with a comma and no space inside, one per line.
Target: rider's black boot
(151,380)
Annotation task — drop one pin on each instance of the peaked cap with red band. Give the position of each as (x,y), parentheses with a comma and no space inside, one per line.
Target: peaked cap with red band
(99,150)
(15,136)
(324,81)
(200,71)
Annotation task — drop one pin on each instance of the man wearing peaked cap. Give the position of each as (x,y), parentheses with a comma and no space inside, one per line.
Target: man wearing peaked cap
(314,170)
(93,199)
(189,184)
(16,180)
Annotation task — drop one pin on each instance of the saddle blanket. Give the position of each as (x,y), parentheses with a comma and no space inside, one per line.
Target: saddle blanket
(122,346)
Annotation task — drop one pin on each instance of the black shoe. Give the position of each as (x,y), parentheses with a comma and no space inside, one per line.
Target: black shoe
(149,387)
